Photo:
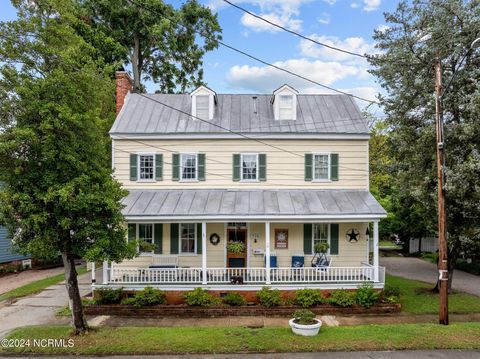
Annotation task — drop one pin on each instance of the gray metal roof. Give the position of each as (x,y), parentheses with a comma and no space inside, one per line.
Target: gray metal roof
(317,114)
(211,203)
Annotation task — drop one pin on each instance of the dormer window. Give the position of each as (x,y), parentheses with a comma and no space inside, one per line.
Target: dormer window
(284,103)
(203,103)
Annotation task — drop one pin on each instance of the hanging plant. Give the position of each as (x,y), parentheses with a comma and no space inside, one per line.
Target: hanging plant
(321,247)
(145,247)
(235,247)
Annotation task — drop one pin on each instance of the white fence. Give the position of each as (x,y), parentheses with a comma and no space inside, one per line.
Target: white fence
(123,275)
(427,244)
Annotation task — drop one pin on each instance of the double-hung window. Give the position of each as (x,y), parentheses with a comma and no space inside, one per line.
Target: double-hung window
(321,167)
(187,238)
(320,234)
(285,107)
(202,106)
(145,233)
(249,166)
(146,167)
(188,167)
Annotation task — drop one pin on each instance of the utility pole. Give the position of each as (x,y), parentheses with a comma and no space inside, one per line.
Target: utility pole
(443,275)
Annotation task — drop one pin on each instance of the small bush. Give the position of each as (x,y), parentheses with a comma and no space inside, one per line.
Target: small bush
(144,298)
(391,290)
(108,296)
(308,297)
(269,297)
(392,299)
(366,296)
(200,297)
(342,298)
(304,317)
(234,299)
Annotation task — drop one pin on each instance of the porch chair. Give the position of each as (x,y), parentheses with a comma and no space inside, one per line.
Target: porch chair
(298,261)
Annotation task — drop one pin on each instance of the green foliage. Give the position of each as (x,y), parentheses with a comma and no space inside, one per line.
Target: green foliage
(321,247)
(269,297)
(234,299)
(146,297)
(308,297)
(157,39)
(366,296)
(393,299)
(200,297)
(391,290)
(235,247)
(145,246)
(431,257)
(473,267)
(108,296)
(304,317)
(342,298)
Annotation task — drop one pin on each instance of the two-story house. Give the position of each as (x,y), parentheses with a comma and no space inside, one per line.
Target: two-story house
(241,188)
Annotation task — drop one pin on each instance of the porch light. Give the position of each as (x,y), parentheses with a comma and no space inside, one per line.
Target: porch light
(367,233)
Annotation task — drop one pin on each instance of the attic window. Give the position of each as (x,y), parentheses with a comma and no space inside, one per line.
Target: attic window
(285,107)
(202,106)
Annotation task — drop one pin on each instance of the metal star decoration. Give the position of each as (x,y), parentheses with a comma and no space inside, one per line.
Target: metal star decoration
(353,235)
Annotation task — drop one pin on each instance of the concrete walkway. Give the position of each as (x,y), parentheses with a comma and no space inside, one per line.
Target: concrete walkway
(39,309)
(15,280)
(419,269)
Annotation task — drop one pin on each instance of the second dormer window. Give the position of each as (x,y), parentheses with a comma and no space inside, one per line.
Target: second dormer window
(202,106)
(285,107)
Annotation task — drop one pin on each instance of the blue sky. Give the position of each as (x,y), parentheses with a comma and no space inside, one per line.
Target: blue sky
(347,24)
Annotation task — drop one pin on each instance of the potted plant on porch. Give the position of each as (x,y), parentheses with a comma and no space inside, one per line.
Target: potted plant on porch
(304,323)
(235,247)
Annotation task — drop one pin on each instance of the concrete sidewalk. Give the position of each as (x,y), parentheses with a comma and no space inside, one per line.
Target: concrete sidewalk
(419,269)
(15,280)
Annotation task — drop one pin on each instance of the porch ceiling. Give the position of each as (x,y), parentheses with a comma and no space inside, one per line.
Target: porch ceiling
(251,204)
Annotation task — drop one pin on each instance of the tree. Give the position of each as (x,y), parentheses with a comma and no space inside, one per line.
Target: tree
(160,43)
(417,33)
(59,195)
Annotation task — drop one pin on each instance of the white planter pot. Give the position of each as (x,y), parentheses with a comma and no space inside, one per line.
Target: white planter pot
(305,330)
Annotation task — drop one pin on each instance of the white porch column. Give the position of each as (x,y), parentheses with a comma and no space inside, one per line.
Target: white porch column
(368,244)
(204,253)
(267,252)
(93,273)
(105,272)
(375,250)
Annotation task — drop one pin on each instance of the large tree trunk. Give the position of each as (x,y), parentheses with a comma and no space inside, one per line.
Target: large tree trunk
(135,61)
(71,282)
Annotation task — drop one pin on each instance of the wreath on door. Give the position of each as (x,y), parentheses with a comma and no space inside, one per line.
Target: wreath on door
(214,239)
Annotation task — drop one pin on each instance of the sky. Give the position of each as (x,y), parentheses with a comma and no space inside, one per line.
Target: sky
(347,24)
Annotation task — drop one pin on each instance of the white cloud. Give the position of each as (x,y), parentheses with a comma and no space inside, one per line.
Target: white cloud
(382,27)
(371,5)
(264,79)
(259,25)
(354,5)
(330,2)
(324,19)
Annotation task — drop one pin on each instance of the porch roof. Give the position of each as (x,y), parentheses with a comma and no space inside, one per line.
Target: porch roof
(250,204)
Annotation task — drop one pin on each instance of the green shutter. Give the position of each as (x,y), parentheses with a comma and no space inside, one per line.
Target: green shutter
(174,238)
(307,238)
(199,238)
(158,240)
(236,167)
(308,166)
(159,167)
(175,167)
(334,166)
(133,166)
(132,232)
(201,166)
(334,238)
(262,164)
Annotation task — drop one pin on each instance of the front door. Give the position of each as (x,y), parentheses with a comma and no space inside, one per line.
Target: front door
(236,248)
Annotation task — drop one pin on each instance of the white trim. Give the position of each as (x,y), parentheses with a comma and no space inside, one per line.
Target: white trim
(204,253)
(225,234)
(257,169)
(257,218)
(329,161)
(113,156)
(221,136)
(248,244)
(180,179)
(375,251)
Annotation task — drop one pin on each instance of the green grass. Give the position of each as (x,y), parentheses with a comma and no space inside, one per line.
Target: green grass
(388,244)
(145,340)
(416,298)
(37,286)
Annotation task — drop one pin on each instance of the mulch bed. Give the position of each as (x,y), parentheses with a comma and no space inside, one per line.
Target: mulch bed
(182,310)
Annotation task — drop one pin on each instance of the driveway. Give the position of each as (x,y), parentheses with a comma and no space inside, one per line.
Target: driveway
(418,269)
(40,308)
(12,281)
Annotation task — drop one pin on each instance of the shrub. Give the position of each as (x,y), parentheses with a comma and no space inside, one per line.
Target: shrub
(342,298)
(269,297)
(308,297)
(391,290)
(200,297)
(366,296)
(148,296)
(234,298)
(304,317)
(392,299)
(108,296)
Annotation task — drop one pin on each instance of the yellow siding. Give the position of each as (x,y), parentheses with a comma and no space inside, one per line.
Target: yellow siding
(350,254)
(284,169)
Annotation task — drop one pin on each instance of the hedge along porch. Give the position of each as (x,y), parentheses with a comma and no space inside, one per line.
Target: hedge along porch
(184,227)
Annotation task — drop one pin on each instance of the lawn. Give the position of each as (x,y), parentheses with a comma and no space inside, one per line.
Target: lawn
(147,340)
(37,286)
(416,298)
(388,244)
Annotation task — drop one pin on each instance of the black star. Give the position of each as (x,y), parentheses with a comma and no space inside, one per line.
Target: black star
(352,236)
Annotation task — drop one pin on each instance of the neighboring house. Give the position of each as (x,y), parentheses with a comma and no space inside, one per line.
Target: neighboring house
(206,170)
(7,254)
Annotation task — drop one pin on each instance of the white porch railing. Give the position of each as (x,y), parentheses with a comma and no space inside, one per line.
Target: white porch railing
(124,275)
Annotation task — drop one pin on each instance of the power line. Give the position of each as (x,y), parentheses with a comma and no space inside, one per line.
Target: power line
(256,58)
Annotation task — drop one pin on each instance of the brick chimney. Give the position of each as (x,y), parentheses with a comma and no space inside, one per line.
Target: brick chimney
(124,86)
